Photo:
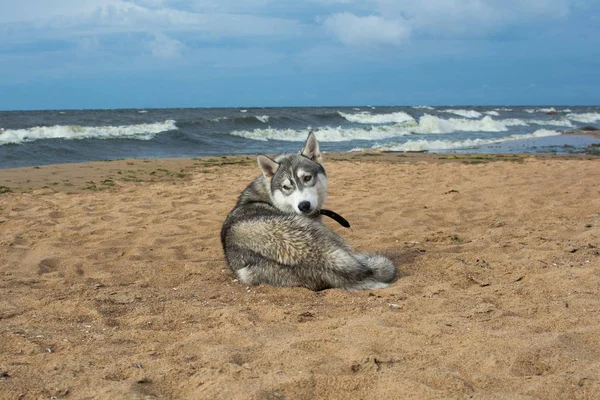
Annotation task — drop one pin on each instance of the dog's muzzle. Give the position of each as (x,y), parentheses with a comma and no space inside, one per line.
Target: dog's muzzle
(304,206)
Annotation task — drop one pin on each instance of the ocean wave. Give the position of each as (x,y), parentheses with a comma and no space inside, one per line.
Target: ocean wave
(245,118)
(464,113)
(71,132)
(429,145)
(557,122)
(432,124)
(325,134)
(429,124)
(426,125)
(547,110)
(587,118)
(366,118)
(424,107)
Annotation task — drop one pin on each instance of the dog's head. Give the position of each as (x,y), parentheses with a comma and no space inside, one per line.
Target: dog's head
(298,182)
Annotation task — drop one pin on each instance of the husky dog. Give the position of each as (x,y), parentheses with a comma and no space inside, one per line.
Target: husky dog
(274,234)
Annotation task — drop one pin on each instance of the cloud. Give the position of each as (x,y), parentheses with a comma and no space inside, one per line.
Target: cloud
(353,30)
(68,18)
(85,38)
(472,18)
(88,44)
(352,22)
(393,21)
(164,47)
(43,10)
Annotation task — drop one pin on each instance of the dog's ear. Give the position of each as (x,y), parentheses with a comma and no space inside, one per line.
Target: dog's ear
(268,166)
(311,149)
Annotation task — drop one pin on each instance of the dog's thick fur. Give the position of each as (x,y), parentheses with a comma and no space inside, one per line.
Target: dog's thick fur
(274,234)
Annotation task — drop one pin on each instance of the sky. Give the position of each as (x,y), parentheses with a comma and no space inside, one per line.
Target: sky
(75,54)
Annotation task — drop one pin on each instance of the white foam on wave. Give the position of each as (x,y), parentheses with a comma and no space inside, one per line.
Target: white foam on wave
(492,113)
(71,132)
(429,145)
(545,110)
(325,134)
(262,118)
(424,107)
(429,124)
(432,124)
(464,113)
(426,125)
(367,118)
(587,118)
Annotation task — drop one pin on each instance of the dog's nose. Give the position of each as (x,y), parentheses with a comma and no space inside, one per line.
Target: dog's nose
(304,206)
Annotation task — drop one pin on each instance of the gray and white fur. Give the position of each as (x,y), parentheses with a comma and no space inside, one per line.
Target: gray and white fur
(274,234)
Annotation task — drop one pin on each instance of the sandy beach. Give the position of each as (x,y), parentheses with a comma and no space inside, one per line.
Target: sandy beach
(113,283)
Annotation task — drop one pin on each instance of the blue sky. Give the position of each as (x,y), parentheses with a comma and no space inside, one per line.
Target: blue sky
(57,54)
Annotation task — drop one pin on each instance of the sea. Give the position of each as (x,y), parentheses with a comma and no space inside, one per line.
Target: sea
(35,138)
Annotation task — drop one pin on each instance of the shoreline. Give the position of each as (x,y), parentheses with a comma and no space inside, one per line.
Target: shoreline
(574,142)
(592,133)
(103,175)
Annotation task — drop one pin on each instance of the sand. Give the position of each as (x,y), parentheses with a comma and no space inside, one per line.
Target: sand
(113,284)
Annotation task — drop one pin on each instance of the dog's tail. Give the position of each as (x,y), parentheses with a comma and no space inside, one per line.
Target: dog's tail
(383,269)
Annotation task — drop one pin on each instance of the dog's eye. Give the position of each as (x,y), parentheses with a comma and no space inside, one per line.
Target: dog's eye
(287,188)
(307,178)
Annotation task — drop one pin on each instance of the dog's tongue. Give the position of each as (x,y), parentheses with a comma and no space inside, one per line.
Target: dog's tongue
(335,216)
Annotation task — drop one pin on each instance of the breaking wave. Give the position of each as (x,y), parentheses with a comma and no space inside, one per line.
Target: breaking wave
(325,134)
(246,118)
(546,110)
(431,124)
(426,125)
(464,113)
(434,145)
(71,132)
(366,118)
(587,118)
